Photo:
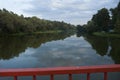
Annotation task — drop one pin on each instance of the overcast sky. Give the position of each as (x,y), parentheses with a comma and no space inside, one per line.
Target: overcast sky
(70,11)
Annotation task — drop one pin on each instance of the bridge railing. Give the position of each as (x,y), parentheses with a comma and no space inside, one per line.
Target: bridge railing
(60,71)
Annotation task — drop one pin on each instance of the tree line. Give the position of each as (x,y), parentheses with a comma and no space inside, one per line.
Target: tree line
(104,20)
(11,23)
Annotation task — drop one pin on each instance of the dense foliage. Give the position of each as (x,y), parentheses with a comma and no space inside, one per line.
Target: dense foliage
(80,30)
(13,23)
(99,21)
(102,21)
(116,18)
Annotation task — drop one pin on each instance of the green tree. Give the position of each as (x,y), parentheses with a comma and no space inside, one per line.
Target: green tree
(116,18)
(11,23)
(91,27)
(102,19)
(80,30)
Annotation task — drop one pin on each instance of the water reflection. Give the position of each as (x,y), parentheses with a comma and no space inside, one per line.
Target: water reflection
(105,46)
(115,50)
(70,51)
(13,46)
(98,43)
(53,50)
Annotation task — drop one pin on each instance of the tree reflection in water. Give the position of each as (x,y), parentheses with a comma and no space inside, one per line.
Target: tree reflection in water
(13,46)
(105,46)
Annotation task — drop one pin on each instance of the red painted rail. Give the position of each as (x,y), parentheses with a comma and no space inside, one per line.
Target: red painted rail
(60,71)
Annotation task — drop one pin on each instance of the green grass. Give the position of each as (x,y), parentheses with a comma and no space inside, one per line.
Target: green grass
(36,33)
(104,34)
(57,31)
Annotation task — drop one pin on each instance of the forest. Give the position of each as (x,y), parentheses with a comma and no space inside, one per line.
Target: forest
(11,23)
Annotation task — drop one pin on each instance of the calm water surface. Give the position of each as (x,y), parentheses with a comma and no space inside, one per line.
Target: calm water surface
(52,50)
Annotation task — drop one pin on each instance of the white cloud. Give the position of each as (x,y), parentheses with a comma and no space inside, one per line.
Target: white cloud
(71,11)
(16,6)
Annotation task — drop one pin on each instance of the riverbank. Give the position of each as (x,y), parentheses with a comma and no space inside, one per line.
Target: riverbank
(33,33)
(104,34)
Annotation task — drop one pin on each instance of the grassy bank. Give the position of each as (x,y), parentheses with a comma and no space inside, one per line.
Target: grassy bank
(103,34)
(40,32)
(33,33)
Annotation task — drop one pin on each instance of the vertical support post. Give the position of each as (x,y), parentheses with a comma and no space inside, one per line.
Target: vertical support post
(15,77)
(51,77)
(34,77)
(88,76)
(105,76)
(70,76)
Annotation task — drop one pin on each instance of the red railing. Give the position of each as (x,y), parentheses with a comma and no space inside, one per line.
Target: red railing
(60,71)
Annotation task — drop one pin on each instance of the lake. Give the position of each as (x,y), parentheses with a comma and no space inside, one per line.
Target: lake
(53,50)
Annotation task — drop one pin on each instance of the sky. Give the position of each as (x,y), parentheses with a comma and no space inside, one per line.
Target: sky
(70,11)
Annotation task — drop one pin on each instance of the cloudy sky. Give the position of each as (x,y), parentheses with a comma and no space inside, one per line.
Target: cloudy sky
(70,11)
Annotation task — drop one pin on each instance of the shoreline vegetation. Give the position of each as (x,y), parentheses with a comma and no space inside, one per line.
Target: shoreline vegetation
(105,23)
(14,24)
(101,24)
(39,33)
(104,34)
(36,33)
